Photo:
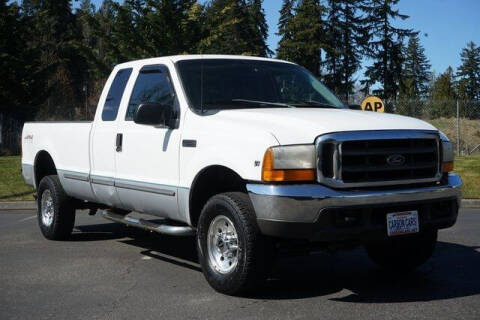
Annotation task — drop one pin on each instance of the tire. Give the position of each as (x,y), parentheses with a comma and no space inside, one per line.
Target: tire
(56,215)
(403,254)
(252,258)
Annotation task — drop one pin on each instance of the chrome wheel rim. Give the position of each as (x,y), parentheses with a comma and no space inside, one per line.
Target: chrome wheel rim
(222,245)
(47,209)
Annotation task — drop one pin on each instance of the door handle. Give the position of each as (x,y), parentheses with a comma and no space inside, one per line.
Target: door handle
(119,141)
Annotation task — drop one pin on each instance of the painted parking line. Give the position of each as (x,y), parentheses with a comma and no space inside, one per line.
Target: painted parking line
(27,218)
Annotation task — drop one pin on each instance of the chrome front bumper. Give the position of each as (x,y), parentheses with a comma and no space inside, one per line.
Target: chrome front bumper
(304,204)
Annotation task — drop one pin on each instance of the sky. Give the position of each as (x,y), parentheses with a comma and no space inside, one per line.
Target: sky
(446,26)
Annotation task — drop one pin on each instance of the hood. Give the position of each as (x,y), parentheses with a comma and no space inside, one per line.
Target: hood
(303,125)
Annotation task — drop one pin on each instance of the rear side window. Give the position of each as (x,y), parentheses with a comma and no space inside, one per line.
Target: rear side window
(152,85)
(112,103)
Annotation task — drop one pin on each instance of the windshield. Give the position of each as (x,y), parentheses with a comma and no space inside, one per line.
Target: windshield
(213,84)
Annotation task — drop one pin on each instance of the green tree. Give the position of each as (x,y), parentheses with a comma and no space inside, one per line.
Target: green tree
(469,71)
(443,95)
(170,27)
(347,40)
(259,29)
(385,46)
(23,80)
(234,27)
(334,48)
(104,21)
(126,37)
(285,49)
(306,35)
(23,85)
(85,19)
(416,71)
(58,39)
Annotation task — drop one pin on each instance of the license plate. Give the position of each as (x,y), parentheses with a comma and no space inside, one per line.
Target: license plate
(399,223)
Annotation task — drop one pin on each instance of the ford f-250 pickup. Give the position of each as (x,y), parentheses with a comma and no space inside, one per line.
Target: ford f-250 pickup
(248,154)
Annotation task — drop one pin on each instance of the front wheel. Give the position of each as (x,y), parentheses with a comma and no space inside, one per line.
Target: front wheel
(403,254)
(231,250)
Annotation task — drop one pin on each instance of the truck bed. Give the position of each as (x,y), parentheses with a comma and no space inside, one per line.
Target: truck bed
(66,142)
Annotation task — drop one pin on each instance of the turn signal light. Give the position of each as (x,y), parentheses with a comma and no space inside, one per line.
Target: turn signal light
(447,166)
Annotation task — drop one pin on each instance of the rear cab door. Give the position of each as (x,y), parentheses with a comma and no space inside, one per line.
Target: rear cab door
(103,139)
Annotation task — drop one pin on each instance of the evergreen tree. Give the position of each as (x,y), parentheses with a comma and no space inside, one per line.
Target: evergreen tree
(307,36)
(194,27)
(385,46)
(167,27)
(23,85)
(469,71)
(285,48)
(104,21)
(126,37)
(334,48)
(416,68)
(347,39)
(231,30)
(443,95)
(259,29)
(59,41)
(85,19)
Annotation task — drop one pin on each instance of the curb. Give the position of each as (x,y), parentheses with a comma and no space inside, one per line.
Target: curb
(32,205)
(471,203)
(18,205)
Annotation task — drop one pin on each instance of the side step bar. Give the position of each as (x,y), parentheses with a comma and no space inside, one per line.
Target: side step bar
(148,225)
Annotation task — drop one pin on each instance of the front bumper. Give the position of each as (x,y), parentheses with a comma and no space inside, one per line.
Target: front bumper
(319,213)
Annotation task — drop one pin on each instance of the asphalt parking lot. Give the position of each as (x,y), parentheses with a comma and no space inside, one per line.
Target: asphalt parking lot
(108,271)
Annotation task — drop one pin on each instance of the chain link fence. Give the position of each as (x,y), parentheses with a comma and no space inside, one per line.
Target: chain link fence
(459,120)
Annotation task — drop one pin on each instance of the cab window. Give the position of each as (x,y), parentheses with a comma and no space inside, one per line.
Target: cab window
(115,93)
(152,85)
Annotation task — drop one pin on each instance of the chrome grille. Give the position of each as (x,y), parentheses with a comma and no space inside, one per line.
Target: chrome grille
(375,158)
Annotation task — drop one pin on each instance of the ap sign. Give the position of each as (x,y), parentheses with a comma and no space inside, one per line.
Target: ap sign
(373,103)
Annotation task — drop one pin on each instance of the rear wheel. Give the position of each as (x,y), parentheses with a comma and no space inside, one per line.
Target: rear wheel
(56,215)
(231,250)
(403,254)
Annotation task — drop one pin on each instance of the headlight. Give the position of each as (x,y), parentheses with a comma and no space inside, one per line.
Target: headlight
(447,153)
(289,163)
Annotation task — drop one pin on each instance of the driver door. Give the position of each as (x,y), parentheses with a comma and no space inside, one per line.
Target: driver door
(147,162)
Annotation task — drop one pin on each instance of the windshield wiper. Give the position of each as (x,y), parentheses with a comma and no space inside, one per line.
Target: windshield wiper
(266,103)
(248,102)
(313,103)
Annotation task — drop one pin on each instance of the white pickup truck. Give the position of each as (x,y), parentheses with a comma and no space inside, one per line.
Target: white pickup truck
(250,155)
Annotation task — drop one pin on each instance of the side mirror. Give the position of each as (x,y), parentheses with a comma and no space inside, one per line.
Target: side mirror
(155,114)
(354,107)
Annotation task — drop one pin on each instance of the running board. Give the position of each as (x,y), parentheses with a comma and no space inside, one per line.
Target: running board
(148,225)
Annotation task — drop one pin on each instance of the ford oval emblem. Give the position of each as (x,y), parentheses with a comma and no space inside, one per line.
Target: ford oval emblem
(396,160)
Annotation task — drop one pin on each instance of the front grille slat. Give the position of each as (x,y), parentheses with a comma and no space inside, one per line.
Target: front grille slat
(386,168)
(388,150)
(392,159)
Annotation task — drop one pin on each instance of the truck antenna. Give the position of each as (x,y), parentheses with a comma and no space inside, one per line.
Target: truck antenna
(201,86)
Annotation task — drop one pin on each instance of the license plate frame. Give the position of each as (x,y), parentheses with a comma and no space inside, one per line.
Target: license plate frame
(401,223)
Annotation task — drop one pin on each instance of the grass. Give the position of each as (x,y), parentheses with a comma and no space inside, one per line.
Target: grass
(12,187)
(469,169)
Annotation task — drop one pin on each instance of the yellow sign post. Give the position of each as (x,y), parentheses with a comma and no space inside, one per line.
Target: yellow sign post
(373,103)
